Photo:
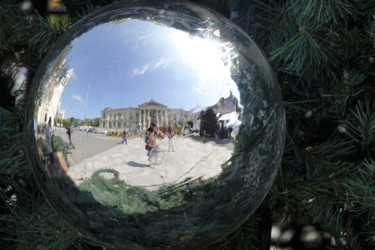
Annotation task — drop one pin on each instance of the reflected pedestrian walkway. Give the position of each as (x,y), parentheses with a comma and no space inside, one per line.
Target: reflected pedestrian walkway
(192,159)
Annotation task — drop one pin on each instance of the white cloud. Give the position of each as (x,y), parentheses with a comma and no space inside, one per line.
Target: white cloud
(162,63)
(140,71)
(77,98)
(198,87)
(74,75)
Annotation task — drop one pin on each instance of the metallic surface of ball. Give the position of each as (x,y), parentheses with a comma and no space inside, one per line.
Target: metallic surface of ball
(155,125)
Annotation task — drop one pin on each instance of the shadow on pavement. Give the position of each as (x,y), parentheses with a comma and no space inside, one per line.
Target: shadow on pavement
(136,164)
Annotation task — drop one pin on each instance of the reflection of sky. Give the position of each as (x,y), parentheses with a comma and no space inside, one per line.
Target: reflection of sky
(125,64)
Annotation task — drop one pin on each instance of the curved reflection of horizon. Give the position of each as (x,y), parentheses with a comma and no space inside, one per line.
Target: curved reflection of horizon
(158,61)
(177,65)
(154,61)
(165,64)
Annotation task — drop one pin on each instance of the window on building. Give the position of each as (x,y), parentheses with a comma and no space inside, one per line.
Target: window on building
(119,124)
(110,124)
(103,125)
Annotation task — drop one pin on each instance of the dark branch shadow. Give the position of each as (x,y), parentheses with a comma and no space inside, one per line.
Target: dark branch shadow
(200,139)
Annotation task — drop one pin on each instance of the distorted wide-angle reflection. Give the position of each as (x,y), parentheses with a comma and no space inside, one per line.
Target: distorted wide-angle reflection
(158,77)
(154,125)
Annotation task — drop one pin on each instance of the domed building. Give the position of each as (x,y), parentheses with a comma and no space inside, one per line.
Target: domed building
(138,119)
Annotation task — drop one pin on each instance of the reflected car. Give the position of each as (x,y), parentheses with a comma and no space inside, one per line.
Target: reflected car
(91,130)
(102,131)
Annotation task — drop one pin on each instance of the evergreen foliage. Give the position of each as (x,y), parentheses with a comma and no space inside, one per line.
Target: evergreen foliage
(323,54)
(27,221)
(25,37)
(59,145)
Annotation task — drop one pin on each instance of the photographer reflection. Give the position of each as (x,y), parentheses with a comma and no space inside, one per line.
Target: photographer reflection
(151,146)
(158,132)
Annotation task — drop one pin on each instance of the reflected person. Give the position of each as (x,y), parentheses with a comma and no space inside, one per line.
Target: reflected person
(123,135)
(46,130)
(69,133)
(170,138)
(158,133)
(151,146)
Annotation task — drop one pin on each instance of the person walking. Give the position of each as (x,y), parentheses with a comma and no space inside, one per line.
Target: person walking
(69,133)
(170,139)
(124,137)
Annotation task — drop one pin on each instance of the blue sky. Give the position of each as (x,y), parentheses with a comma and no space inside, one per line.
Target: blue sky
(125,64)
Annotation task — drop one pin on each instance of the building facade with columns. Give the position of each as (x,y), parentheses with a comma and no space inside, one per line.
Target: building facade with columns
(49,100)
(137,119)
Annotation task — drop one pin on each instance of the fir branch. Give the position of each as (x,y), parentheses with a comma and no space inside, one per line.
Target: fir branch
(245,237)
(303,55)
(25,216)
(76,9)
(372,30)
(273,24)
(359,193)
(13,161)
(354,47)
(350,88)
(25,37)
(332,149)
(367,8)
(40,227)
(325,11)
(340,226)
(8,77)
(322,178)
(361,123)
(233,4)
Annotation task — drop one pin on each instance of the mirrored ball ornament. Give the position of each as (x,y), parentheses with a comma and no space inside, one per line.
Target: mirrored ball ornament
(155,125)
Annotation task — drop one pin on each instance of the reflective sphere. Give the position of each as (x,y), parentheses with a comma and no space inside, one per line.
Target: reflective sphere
(155,125)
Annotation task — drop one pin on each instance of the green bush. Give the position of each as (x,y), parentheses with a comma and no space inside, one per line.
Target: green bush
(59,145)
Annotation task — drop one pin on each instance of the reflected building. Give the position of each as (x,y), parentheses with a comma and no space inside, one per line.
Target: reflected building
(139,118)
(60,113)
(48,105)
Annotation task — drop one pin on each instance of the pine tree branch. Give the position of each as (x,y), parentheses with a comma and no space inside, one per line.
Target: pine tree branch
(25,38)
(76,9)
(302,51)
(361,123)
(324,11)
